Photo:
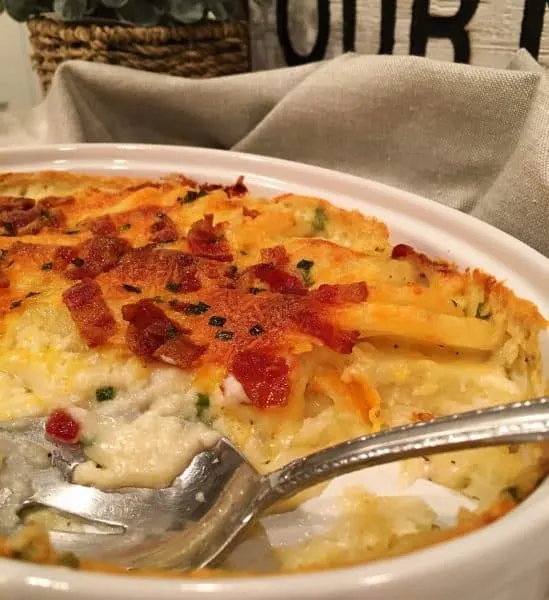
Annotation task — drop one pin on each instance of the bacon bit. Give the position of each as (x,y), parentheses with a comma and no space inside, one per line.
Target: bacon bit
(232,272)
(279,280)
(208,241)
(250,212)
(164,230)
(100,253)
(402,251)
(420,260)
(312,324)
(90,312)
(276,256)
(159,267)
(62,427)
(149,328)
(341,293)
(8,203)
(265,378)
(4,280)
(237,189)
(210,187)
(63,256)
(21,221)
(103,225)
(179,351)
(422,416)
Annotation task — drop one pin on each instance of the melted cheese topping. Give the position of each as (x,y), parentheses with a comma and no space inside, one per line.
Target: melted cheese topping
(286,325)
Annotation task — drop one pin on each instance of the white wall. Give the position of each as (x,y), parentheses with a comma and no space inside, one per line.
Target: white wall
(18,84)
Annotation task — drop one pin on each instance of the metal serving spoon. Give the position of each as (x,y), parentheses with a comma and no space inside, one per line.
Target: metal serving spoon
(191,523)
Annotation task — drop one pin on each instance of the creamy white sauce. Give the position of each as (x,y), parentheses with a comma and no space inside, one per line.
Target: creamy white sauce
(233,392)
(149,451)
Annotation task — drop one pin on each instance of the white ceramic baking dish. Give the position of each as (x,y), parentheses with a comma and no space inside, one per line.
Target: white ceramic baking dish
(504,561)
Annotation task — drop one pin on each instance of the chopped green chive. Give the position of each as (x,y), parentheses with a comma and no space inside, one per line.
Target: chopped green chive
(32,294)
(16,304)
(125,227)
(192,195)
(105,393)
(217,321)
(48,266)
(172,332)
(197,309)
(255,290)
(45,214)
(131,288)
(71,231)
(202,404)
(514,492)
(77,262)
(319,219)
(483,311)
(158,299)
(224,335)
(305,267)
(305,264)
(68,559)
(256,330)
(9,227)
(173,286)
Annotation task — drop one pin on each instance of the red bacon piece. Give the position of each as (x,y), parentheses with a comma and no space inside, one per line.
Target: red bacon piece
(103,225)
(164,230)
(208,241)
(179,351)
(159,267)
(279,280)
(236,189)
(148,329)
(90,312)
(8,203)
(63,427)
(250,212)
(63,256)
(209,187)
(311,323)
(4,280)
(276,256)
(22,221)
(99,254)
(341,293)
(402,251)
(265,378)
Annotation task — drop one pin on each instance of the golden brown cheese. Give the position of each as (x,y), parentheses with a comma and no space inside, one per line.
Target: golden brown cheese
(356,335)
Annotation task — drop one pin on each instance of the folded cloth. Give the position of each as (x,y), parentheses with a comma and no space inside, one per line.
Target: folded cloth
(475,139)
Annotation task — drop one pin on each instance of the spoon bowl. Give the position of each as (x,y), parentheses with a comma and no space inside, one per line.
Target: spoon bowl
(194,521)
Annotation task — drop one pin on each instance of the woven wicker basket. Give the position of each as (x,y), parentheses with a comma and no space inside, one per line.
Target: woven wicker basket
(198,51)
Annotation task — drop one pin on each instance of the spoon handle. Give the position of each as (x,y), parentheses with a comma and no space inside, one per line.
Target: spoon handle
(495,426)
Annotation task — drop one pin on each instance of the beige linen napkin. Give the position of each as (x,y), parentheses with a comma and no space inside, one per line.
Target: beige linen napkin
(475,139)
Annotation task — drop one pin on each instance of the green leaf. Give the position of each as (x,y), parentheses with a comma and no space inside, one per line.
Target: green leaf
(202,404)
(70,10)
(105,393)
(1,6)
(187,11)
(319,219)
(20,10)
(139,12)
(114,3)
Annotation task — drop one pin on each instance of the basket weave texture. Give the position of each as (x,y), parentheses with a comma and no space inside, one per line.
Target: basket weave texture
(197,51)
